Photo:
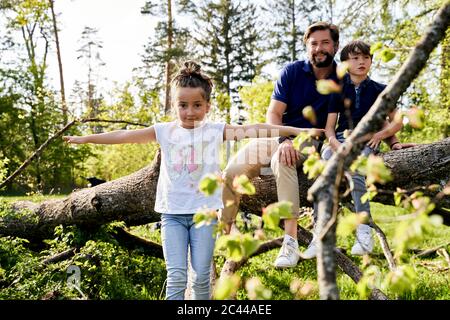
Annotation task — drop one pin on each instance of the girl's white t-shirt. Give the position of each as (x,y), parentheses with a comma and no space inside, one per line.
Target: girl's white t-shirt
(187,155)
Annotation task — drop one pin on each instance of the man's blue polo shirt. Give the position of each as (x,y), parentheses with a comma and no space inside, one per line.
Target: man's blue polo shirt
(297,88)
(361,97)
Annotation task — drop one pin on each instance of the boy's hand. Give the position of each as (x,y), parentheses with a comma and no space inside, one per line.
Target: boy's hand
(400,146)
(334,143)
(74,139)
(375,141)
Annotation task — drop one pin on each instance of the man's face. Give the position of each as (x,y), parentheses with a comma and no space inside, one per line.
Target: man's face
(321,48)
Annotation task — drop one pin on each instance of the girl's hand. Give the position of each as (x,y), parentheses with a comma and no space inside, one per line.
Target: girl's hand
(74,139)
(316,132)
(375,141)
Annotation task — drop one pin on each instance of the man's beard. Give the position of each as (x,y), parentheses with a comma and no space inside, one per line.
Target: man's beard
(325,63)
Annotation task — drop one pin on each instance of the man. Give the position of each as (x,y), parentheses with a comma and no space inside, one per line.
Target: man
(294,90)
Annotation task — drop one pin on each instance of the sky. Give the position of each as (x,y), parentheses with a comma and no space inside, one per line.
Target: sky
(121,28)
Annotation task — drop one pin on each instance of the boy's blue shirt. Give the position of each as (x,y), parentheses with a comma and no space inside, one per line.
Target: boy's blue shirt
(368,93)
(297,88)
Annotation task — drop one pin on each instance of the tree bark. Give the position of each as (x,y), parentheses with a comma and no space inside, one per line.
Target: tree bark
(131,198)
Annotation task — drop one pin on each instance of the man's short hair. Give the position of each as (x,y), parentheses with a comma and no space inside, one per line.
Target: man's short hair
(355,47)
(322,25)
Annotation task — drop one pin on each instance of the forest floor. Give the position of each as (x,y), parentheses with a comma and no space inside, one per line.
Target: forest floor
(117,273)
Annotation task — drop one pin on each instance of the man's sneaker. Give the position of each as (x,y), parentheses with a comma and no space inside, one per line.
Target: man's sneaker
(289,255)
(364,241)
(311,251)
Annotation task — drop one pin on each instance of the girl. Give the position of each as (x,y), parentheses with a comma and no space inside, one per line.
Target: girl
(189,150)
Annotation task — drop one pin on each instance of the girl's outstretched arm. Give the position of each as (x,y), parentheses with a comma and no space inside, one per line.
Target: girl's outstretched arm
(116,137)
(264,130)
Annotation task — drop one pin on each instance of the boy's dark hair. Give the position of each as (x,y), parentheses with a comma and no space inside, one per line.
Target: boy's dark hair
(355,47)
(191,76)
(322,25)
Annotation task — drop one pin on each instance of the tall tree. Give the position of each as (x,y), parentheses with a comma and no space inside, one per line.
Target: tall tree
(229,44)
(60,66)
(168,46)
(445,73)
(30,28)
(290,19)
(90,55)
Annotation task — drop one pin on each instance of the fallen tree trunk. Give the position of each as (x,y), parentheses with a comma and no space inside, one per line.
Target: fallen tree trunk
(131,198)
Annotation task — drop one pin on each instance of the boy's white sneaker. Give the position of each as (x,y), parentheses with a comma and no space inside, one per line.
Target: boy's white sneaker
(288,255)
(311,251)
(364,241)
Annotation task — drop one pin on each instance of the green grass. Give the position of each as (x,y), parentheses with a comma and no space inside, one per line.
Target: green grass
(431,284)
(33,198)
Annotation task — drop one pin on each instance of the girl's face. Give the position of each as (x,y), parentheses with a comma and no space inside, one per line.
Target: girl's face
(191,106)
(359,64)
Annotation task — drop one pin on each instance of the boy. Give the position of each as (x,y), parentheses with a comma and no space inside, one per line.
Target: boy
(361,92)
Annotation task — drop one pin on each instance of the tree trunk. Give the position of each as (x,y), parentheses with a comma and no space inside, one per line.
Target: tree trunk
(58,54)
(168,63)
(132,198)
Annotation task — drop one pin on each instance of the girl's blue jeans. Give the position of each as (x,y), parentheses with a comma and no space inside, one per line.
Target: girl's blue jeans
(178,234)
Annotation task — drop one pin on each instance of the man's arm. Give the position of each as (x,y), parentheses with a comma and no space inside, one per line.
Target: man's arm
(275,112)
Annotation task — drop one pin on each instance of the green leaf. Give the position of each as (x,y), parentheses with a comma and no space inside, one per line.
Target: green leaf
(401,280)
(256,290)
(375,47)
(397,198)
(326,86)
(300,140)
(377,172)
(359,165)
(309,114)
(243,185)
(204,217)
(238,246)
(371,279)
(209,184)
(313,165)
(227,287)
(387,55)
(274,212)
(370,194)
(416,118)
(350,222)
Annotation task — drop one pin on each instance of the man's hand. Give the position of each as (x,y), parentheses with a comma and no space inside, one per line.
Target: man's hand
(287,155)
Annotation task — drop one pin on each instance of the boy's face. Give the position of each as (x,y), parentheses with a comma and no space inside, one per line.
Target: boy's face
(321,48)
(359,64)
(191,106)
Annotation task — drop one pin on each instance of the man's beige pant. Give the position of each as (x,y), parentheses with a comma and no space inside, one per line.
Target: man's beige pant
(254,160)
